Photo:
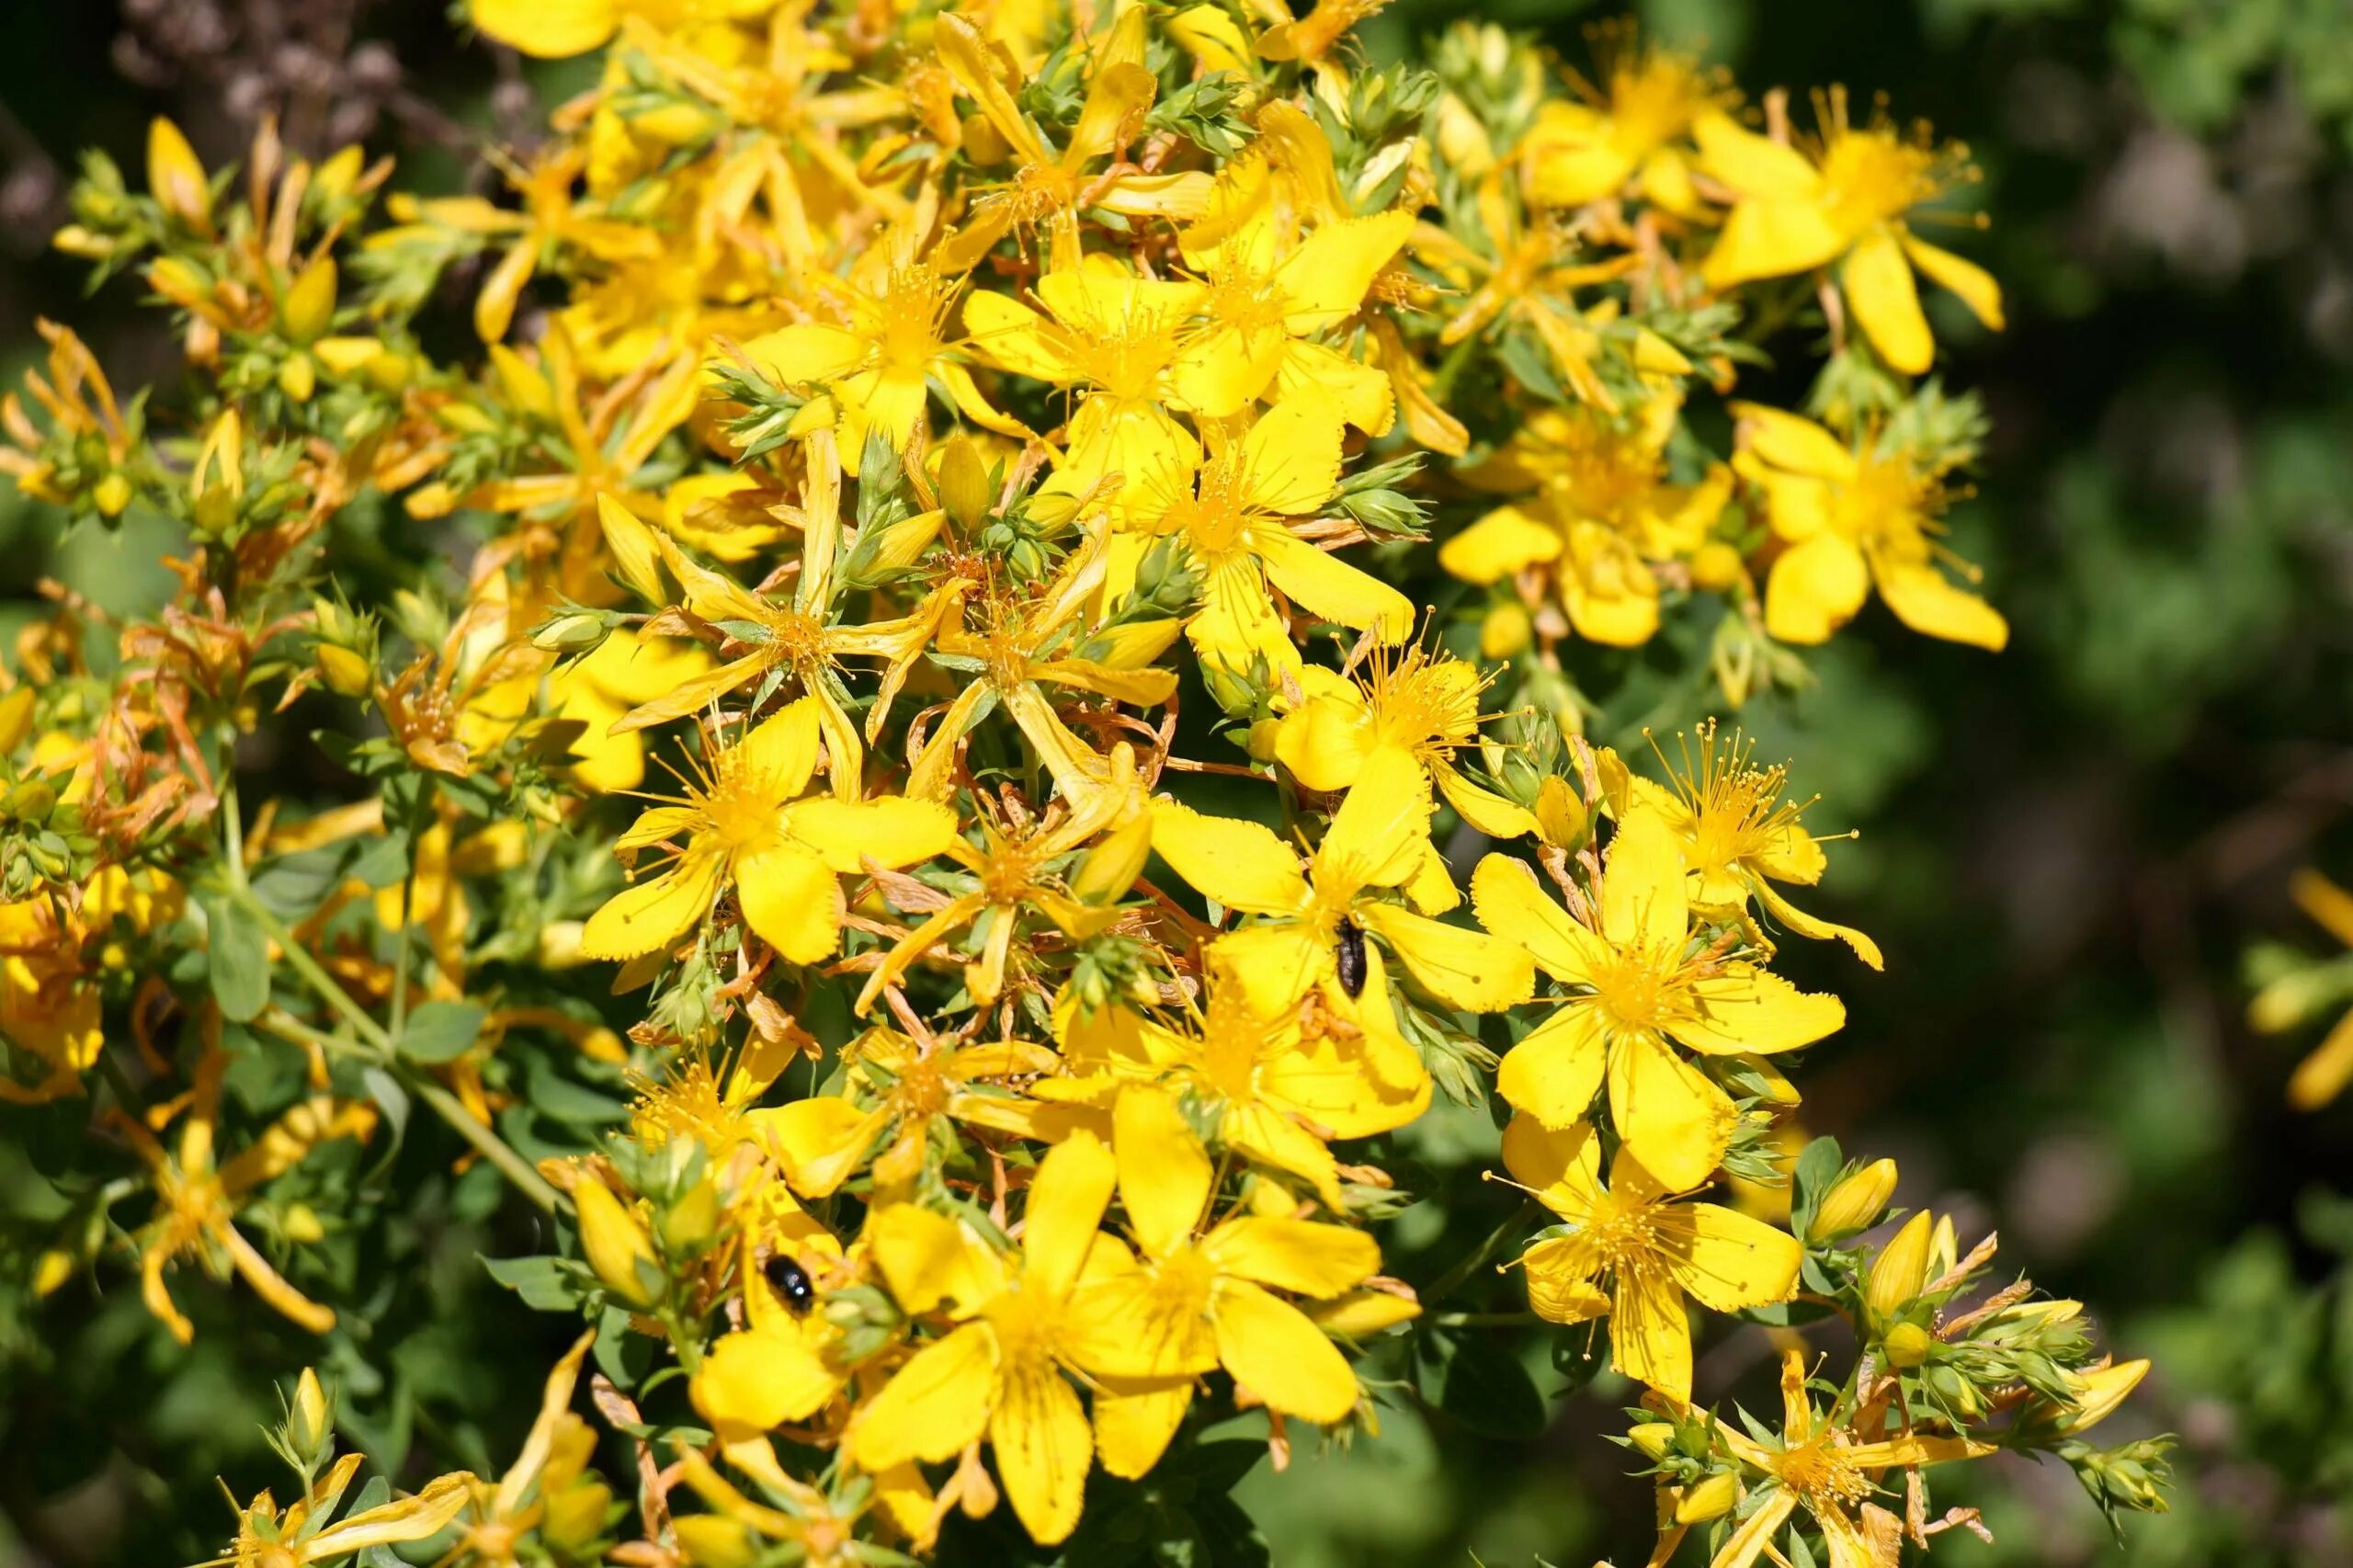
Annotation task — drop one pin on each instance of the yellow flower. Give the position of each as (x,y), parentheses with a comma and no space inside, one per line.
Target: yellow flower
(1238,513)
(1424,705)
(300,1536)
(1738,835)
(1639,984)
(1794,213)
(1114,334)
(747,825)
(556,29)
(1627,127)
(1653,1250)
(999,1373)
(784,1364)
(1013,868)
(1832,1473)
(2322,1076)
(1270,294)
(1194,1302)
(198,1201)
(48,1008)
(1379,840)
(890,340)
(1602,515)
(1850,520)
(1275,1089)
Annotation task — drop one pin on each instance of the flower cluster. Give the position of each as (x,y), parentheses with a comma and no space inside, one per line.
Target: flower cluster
(937,516)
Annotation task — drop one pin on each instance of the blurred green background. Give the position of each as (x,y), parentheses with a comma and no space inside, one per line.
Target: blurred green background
(2067,852)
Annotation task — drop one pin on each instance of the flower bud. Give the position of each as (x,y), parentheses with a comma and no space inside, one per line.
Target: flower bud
(111,495)
(1561,817)
(1711,1499)
(1906,1345)
(175,178)
(298,377)
(1899,1269)
(964,484)
(310,1420)
(51,1271)
(299,1223)
(985,144)
(346,674)
(77,241)
(1506,631)
(308,308)
(614,1242)
(573,631)
(693,1220)
(1652,1438)
(1715,566)
(1854,1202)
(2098,1393)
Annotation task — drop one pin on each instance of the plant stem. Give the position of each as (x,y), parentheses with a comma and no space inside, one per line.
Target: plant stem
(491,1146)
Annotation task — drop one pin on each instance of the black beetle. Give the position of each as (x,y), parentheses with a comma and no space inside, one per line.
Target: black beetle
(790,1281)
(1350,960)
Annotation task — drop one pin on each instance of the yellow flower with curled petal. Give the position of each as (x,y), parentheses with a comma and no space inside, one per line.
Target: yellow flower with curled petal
(1424,705)
(198,1198)
(1117,336)
(1239,514)
(1270,294)
(1651,1250)
(1794,213)
(1640,981)
(1738,835)
(889,339)
(1831,1472)
(1853,520)
(1603,516)
(747,825)
(1275,1088)
(999,1373)
(1202,1297)
(300,1536)
(1377,841)
(1624,129)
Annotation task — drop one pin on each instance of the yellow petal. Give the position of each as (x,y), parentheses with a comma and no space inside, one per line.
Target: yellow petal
(1136,1420)
(1972,283)
(1650,1331)
(1674,1122)
(1787,441)
(1380,834)
(752,1381)
(1562,1166)
(927,1259)
(1816,589)
(1878,287)
(1555,1071)
(1300,1256)
(1502,542)
(1725,1260)
(1484,809)
(2321,1076)
(1748,1009)
(1325,280)
(1325,741)
(1510,904)
(634,552)
(1750,163)
(1066,1202)
(793,900)
(1141,1324)
(819,1141)
(1273,965)
(1290,460)
(1043,1448)
(1241,864)
(933,1406)
(1925,601)
(1165,1174)
(1644,903)
(1561,1271)
(1272,1349)
(888,830)
(781,751)
(1463,969)
(549,29)
(1804,924)
(1771,237)
(1329,587)
(650,916)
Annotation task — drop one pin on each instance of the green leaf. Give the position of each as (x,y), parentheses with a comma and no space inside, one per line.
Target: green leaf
(545,1285)
(1476,1380)
(441,1031)
(237,959)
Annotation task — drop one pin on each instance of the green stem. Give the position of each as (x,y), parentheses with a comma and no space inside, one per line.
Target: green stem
(445,1105)
(1444,1284)
(1486,1320)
